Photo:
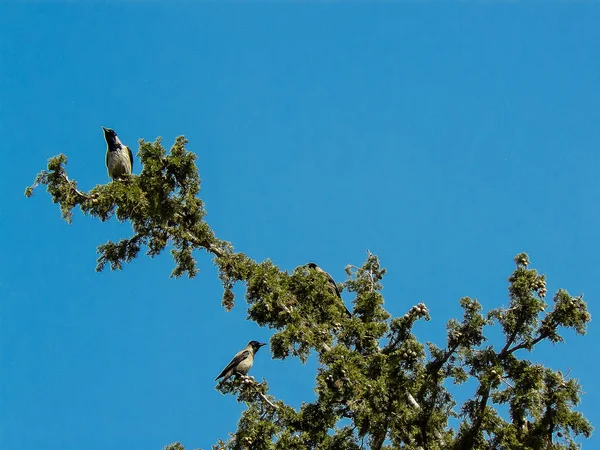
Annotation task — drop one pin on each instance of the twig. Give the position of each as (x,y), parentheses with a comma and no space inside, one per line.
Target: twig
(525,345)
(254,385)
(216,251)
(412,401)
(364,270)
(267,400)
(416,405)
(197,242)
(507,383)
(77,191)
(439,437)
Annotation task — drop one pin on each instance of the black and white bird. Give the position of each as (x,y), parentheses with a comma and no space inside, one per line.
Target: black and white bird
(241,362)
(331,284)
(119,159)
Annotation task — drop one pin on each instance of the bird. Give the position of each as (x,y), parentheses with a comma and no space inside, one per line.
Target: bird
(241,362)
(119,159)
(331,284)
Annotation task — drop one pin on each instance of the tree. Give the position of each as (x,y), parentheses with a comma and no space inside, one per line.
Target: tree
(377,385)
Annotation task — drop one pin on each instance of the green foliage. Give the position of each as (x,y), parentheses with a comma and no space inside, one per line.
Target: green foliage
(377,385)
(174,446)
(161,204)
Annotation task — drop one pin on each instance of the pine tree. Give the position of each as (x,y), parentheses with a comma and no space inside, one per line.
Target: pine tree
(377,385)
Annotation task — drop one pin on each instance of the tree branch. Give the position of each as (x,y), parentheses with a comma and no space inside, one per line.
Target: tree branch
(196,241)
(525,345)
(80,194)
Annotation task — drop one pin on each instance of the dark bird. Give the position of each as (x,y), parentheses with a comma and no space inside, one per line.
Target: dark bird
(119,159)
(332,286)
(242,361)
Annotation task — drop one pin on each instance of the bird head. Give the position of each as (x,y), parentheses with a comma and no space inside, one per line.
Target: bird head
(312,265)
(110,135)
(256,345)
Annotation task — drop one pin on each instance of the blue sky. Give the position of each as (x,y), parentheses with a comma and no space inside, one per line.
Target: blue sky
(444,137)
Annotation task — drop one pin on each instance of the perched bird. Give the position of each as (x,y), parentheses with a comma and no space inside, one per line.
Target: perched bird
(119,159)
(241,362)
(331,284)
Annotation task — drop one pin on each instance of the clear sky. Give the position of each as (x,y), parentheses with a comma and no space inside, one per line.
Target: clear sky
(444,137)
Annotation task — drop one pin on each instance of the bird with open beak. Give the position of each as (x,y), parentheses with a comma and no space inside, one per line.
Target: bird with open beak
(241,362)
(119,159)
(331,284)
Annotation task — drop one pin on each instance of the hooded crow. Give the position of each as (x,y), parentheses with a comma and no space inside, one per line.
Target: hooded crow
(332,286)
(119,159)
(241,362)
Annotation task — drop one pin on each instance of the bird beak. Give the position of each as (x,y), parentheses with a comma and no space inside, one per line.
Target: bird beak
(260,344)
(104,129)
